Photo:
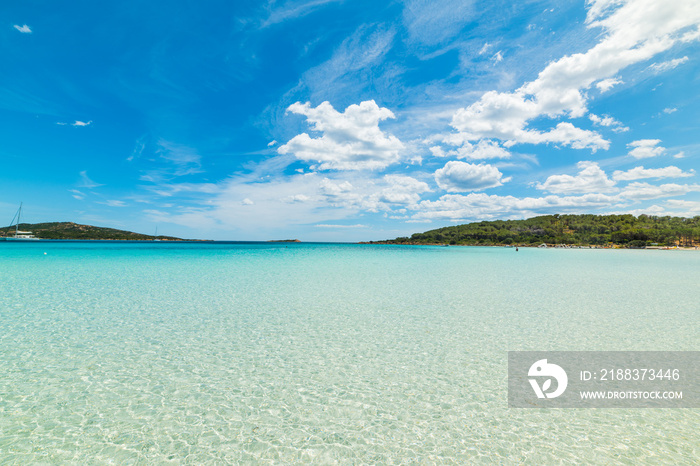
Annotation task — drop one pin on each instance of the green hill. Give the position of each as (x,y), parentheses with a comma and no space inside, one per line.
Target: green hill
(623,230)
(70,230)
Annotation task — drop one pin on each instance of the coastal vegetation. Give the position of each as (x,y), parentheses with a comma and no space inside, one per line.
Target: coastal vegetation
(70,230)
(582,230)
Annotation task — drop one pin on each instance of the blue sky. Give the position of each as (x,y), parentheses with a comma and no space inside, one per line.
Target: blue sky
(333,120)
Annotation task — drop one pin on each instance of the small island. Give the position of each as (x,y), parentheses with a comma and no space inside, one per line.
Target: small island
(626,231)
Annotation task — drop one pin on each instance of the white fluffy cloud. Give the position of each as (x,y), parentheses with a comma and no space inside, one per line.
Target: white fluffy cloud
(645,191)
(373,195)
(401,190)
(457,177)
(482,206)
(639,173)
(608,121)
(589,179)
(646,148)
(350,140)
(633,31)
(606,84)
(483,150)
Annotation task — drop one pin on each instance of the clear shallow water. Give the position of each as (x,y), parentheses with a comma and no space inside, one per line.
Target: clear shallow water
(297,353)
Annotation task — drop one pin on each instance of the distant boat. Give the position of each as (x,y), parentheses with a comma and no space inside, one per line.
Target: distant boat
(155,237)
(19,235)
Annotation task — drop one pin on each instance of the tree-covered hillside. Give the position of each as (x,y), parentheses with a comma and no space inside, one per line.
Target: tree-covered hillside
(624,230)
(70,230)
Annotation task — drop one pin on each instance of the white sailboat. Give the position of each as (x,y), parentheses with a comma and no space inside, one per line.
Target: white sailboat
(19,235)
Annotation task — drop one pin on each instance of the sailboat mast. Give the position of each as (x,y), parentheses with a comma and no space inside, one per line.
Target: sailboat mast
(19,214)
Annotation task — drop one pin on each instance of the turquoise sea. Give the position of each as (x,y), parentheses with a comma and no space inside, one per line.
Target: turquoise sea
(274,353)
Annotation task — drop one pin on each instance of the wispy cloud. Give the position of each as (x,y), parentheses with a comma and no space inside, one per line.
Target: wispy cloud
(433,22)
(327,225)
(186,160)
(77,194)
(86,182)
(113,203)
(365,50)
(295,9)
(667,65)
(139,146)
(24,29)
(77,123)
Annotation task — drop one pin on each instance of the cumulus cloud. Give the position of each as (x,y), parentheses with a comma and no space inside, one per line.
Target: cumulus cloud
(373,195)
(483,150)
(484,206)
(589,179)
(606,84)
(24,29)
(338,192)
(461,177)
(297,198)
(689,208)
(639,173)
(401,190)
(350,140)
(645,148)
(645,191)
(633,31)
(670,110)
(608,121)
(667,65)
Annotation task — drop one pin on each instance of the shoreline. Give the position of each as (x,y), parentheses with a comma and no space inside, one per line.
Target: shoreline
(539,246)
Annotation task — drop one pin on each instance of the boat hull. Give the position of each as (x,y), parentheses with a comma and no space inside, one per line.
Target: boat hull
(19,239)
